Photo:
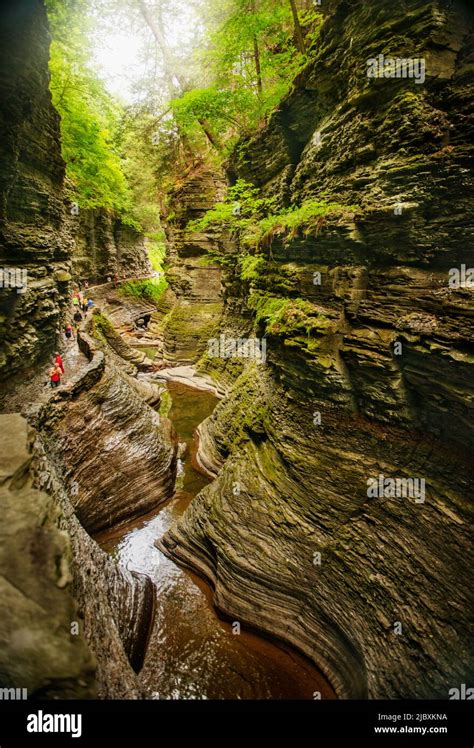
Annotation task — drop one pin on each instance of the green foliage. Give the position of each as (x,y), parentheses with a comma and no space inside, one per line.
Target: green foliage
(89,116)
(102,327)
(156,252)
(249,64)
(220,107)
(241,207)
(251,216)
(141,166)
(306,219)
(286,316)
(148,289)
(251,265)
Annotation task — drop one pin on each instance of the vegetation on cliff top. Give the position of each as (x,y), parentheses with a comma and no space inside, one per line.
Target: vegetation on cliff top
(252,51)
(254,223)
(208,74)
(150,289)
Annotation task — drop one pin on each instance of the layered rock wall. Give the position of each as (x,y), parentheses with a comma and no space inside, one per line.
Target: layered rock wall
(43,242)
(104,245)
(32,240)
(368,372)
(193,274)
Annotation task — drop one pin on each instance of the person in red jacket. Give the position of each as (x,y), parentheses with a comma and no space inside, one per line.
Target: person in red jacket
(55,376)
(58,361)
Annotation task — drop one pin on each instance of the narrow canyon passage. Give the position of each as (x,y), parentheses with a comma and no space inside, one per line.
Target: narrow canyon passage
(192,653)
(254,479)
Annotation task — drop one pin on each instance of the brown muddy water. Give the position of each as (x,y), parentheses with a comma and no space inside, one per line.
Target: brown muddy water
(192,653)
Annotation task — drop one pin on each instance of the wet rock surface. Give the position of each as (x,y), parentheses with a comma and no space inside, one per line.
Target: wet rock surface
(373,588)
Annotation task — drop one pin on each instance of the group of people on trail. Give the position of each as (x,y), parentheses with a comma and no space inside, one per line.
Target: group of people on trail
(81,302)
(81,305)
(56,371)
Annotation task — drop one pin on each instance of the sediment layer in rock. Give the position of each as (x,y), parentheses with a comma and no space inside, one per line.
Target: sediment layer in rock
(377,379)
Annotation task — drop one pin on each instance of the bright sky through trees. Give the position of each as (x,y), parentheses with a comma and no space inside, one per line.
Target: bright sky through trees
(147,88)
(123,46)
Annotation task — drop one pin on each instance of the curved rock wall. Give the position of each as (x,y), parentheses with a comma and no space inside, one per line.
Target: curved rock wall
(81,429)
(374,588)
(107,439)
(115,606)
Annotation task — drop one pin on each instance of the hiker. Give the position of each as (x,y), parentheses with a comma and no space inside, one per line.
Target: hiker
(55,376)
(84,305)
(86,285)
(58,361)
(75,299)
(90,303)
(77,320)
(69,332)
(116,280)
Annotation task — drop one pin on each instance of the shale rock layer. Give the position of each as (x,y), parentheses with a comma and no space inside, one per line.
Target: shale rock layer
(368,371)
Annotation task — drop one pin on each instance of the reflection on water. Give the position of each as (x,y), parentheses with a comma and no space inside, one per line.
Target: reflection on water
(192,653)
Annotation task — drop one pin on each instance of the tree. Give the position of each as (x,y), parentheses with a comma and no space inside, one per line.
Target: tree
(89,116)
(298,32)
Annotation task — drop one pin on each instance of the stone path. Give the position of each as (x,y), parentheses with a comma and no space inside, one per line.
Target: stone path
(33,386)
(38,389)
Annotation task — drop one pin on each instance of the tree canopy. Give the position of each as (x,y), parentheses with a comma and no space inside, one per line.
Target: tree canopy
(211,72)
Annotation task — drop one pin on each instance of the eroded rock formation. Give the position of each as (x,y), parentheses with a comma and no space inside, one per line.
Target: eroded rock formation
(38,652)
(119,453)
(194,275)
(115,606)
(31,190)
(79,490)
(374,588)
(42,242)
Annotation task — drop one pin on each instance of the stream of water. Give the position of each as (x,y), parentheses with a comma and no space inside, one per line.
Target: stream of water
(192,653)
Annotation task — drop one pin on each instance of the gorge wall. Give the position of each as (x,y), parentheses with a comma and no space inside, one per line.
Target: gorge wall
(193,301)
(368,372)
(43,241)
(104,245)
(31,190)
(74,624)
(88,457)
